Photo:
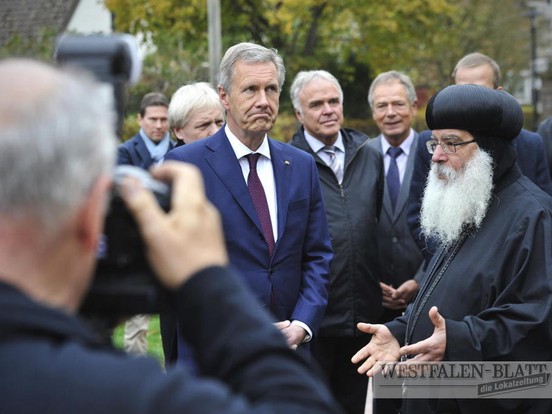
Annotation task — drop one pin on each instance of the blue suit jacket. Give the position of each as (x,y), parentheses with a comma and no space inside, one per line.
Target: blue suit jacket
(298,270)
(134,152)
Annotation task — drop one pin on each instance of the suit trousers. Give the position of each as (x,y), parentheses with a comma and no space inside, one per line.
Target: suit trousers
(333,355)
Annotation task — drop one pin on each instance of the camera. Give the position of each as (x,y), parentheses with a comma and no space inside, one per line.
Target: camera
(124,283)
(112,59)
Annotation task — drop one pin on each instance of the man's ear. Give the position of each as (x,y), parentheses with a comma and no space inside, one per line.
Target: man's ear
(299,115)
(91,214)
(178,133)
(223,95)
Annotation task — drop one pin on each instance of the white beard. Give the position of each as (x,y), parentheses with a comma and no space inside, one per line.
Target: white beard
(459,200)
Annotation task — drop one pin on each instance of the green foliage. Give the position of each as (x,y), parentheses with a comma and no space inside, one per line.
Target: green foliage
(41,47)
(353,39)
(155,347)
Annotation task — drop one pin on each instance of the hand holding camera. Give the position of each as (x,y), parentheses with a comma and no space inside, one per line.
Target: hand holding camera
(188,237)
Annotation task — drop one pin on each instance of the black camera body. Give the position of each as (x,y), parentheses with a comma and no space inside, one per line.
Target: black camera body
(112,59)
(124,283)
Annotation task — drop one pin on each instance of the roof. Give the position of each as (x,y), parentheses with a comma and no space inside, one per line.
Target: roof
(27,18)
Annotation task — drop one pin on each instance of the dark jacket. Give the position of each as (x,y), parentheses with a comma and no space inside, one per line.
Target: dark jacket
(494,293)
(352,209)
(134,152)
(399,255)
(50,362)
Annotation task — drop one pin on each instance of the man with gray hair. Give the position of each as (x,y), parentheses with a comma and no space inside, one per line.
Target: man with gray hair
(392,99)
(351,176)
(57,152)
(195,112)
(486,295)
(269,195)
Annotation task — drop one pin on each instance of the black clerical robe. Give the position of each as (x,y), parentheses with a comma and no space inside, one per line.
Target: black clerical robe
(494,288)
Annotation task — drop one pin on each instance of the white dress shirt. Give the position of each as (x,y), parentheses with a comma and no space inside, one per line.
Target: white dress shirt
(264,170)
(401,159)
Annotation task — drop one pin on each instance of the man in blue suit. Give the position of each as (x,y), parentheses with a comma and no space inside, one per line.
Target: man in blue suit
(282,247)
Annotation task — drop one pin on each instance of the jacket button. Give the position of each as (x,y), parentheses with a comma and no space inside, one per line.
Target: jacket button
(394,239)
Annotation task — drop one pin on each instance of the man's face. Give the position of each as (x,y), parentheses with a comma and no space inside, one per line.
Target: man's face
(392,111)
(155,122)
(479,75)
(321,110)
(202,122)
(448,205)
(252,106)
(456,160)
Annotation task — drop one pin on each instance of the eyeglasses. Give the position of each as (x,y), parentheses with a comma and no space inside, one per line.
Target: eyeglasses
(448,146)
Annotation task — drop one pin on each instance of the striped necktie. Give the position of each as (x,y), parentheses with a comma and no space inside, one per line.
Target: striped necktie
(334,164)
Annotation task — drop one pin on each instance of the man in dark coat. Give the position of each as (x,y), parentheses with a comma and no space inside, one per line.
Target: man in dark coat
(352,189)
(486,293)
(150,145)
(392,99)
(57,150)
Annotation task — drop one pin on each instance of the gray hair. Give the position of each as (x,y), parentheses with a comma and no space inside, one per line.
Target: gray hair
(391,76)
(188,98)
(250,53)
(303,78)
(54,143)
(476,59)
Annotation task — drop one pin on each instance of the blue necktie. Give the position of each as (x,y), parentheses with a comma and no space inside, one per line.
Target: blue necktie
(393,178)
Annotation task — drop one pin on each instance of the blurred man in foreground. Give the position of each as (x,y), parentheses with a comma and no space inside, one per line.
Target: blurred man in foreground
(57,149)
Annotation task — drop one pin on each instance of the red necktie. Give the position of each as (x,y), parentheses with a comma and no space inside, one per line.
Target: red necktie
(258,196)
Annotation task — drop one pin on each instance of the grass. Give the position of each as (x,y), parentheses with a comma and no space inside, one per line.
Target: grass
(155,348)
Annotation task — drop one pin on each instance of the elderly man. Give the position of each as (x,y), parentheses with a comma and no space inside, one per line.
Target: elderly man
(355,294)
(195,112)
(392,98)
(486,295)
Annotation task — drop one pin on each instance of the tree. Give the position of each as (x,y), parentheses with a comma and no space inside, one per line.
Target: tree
(353,39)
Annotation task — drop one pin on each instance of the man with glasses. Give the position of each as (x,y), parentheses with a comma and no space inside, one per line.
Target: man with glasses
(486,294)
(478,69)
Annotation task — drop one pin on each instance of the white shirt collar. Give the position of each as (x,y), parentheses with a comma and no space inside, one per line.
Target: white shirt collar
(405,145)
(317,145)
(241,150)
